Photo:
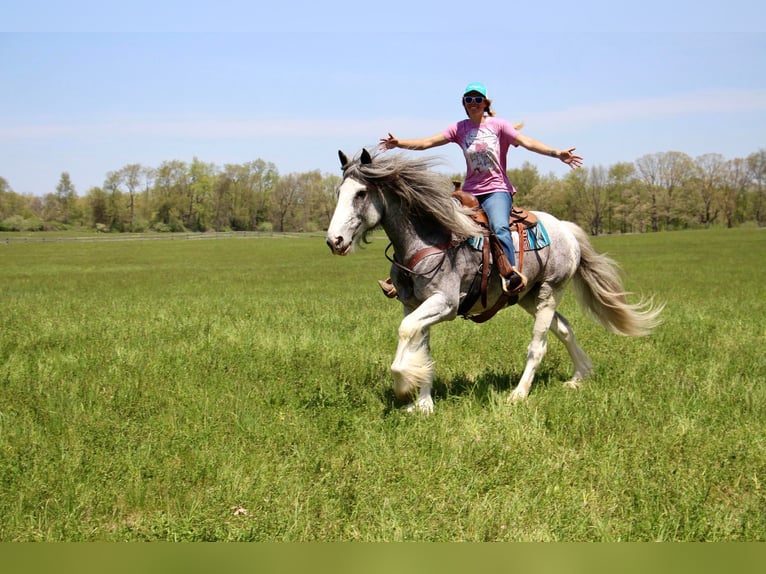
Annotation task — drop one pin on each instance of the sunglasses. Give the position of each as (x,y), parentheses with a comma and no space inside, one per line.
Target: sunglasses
(473,99)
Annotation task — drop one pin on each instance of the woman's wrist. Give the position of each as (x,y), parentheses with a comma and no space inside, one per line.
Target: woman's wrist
(554,153)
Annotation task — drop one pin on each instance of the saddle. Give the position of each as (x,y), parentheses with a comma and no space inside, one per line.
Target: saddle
(518,215)
(521,220)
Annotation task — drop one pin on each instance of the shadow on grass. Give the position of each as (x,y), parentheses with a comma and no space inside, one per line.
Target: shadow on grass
(481,388)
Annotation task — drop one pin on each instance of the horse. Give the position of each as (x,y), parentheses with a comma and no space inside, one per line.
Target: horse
(436,263)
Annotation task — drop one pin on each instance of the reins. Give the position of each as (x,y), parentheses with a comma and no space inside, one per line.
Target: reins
(419,256)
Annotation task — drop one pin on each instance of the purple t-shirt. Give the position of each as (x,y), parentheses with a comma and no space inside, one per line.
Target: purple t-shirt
(485,147)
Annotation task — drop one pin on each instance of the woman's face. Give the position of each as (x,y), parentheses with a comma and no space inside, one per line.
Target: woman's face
(474,104)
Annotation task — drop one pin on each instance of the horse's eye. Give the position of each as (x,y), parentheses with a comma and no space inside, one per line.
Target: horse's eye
(361,194)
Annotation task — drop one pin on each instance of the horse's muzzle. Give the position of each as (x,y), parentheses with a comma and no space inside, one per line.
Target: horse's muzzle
(338,245)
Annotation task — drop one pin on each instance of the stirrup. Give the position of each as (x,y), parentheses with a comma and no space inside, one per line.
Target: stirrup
(514,283)
(388,288)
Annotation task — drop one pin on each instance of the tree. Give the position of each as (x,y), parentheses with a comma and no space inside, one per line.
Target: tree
(66,196)
(200,189)
(305,201)
(97,204)
(16,213)
(590,195)
(734,181)
(756,163)
(317,200)
(624,198)
(648,168)
(10,202)
(117,213)
(676,170)
(658,191)
(664,175)
(525,178)
(550,195)
(147,176)
(709,173)
(170,195)
(287,194)
(242,195)
(130,176)
(224,198)
(261,183)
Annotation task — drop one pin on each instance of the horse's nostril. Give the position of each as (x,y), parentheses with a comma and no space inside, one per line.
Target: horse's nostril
(335,244)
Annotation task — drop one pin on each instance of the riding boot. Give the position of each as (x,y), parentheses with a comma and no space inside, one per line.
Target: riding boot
(514,283)
(388,288)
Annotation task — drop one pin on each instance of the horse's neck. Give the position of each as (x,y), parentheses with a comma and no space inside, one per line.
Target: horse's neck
(406,236)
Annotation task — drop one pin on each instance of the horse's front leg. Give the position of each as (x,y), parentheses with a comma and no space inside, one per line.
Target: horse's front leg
(413,367)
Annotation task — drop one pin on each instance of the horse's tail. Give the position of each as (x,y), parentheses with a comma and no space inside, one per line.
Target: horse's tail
(599,289)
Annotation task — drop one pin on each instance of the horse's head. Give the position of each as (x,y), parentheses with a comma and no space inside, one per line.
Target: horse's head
(359,208)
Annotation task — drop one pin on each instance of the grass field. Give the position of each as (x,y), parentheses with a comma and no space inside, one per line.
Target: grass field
(238,389)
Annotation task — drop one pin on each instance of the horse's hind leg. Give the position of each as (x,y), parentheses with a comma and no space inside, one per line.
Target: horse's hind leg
(543,308)
(564,333)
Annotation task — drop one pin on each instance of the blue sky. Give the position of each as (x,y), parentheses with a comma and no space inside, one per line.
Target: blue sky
(89,87)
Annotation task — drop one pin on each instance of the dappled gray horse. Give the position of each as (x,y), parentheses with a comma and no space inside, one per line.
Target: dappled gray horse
(435,267)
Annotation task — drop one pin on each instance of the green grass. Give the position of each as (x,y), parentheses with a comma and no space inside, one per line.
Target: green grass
(238,389)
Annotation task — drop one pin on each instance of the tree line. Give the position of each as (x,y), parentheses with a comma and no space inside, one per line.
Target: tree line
(662,191)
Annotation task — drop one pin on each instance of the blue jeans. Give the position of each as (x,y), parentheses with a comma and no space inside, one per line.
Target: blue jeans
(498,206)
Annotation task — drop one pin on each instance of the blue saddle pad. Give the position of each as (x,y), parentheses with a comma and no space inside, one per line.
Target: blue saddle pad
(535,237)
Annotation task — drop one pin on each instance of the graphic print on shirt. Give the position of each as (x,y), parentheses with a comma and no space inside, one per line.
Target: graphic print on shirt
(482,150)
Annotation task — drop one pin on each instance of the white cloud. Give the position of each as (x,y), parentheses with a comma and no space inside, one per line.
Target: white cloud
(745,101)
(655,108)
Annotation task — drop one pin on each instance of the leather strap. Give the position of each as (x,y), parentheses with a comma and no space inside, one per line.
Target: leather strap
(484,270)
(501,302)
(520,229)
(504,298)
(426,251)
(420,255)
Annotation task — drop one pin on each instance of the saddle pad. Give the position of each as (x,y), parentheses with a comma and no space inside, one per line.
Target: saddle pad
(476,242)
(536,237)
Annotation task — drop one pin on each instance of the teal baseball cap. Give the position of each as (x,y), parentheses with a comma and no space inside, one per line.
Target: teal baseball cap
(476,87)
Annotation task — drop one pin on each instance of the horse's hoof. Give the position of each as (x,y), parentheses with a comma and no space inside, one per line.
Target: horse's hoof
(573,384)
(421,406)
(517,396)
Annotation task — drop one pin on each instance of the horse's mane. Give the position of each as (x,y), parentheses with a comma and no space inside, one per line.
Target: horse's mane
(421,191)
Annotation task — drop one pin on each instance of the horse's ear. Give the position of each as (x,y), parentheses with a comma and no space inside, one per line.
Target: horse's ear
(343,159)
(366,157)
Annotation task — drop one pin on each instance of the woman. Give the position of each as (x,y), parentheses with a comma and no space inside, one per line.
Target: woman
(485,139)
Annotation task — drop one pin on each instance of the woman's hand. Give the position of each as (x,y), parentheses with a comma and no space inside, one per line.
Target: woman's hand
(572,160)
(390,142)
